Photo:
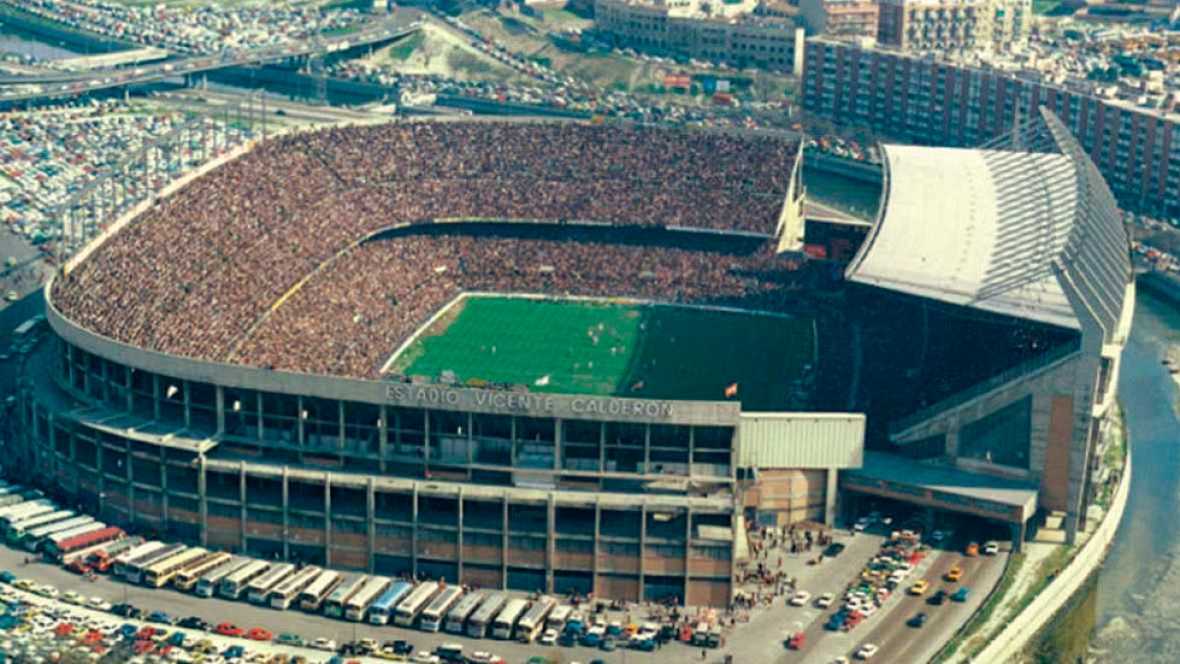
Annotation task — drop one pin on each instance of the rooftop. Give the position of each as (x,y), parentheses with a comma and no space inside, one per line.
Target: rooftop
(946,479)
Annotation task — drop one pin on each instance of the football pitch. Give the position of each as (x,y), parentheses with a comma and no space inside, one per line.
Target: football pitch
(611,349)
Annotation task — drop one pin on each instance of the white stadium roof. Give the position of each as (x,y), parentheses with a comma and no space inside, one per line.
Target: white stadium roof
(1029,231)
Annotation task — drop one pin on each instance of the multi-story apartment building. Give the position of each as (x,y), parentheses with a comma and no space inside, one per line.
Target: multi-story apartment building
(841,18)
(751,33)
(938,102)
(950,25)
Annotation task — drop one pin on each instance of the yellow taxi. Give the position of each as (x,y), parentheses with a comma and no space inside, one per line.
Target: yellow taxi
(920,587)
(954,574)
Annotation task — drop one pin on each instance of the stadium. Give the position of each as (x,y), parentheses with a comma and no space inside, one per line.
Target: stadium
(577,357)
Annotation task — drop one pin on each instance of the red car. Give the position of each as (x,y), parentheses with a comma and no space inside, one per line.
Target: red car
(143,647)
(145,633)
(259,634)
(797,641)
(228,629)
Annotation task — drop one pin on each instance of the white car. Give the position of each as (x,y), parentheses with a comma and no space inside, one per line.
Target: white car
(47,591)
(800,598)
(867,651)
(424,657)
(98,603)
(327,645)
(991,549)
(549,637)
(861,524)
(825,600)
(72,597)
(867,609)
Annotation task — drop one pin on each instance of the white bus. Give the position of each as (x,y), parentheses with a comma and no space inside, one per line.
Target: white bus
(159,573)
(435,613)
(334,605)
(30,508)
(288,591)
(17,529)
(505,621)
(258,590)
(481,620)
(557,617)
(457,617)
(119,567)
(234,585)
(186,578)
(32,537)
(134,570)
(412,605)
(313,596)
(533,622)
(381,610)
(209,581)
(357,606)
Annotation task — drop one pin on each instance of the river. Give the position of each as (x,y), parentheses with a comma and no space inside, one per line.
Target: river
(24,44)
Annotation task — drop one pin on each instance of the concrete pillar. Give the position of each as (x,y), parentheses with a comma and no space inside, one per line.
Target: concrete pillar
(928,518)
(219,400)
(130,478)
(594,548)
(687,552)
(100,453)
(202,499)
(550,541)
(414,533)
(127,393)
(642,548)
(242,500)
(328,519)
(370,514)
(188,404)
(156,397)
(164,488)
(504,543)
(1018,531)
(286,491)
(831,492)
(382,438)
(459,533)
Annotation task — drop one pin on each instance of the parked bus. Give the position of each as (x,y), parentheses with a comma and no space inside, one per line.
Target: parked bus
(119,568)
(481,620)
(17,529)
(30,539)
(288,591)
(209,581)
(313,596)
(235,584)
(507,618)
(164,570)
(557,617)
(334,605)
(457,617)
(382,609)
(56,550)
(133,573)
(533,622)
(27,509)
(432,617)
(358,605)
(101,554)
(63,535)
(187,578)
(412,605)
(258,590)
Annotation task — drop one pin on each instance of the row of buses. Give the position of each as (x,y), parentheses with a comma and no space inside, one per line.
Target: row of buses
(84,544)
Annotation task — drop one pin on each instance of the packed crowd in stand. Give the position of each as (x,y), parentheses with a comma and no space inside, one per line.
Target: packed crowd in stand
(352,315)
(195,275)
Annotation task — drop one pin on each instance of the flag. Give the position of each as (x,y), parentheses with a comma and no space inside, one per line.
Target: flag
(542,381)
(731,390)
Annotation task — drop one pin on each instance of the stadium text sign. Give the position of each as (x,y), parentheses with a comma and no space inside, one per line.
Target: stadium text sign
(524,402)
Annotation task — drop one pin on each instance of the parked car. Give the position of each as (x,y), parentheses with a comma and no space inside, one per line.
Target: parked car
(230,629)
(825,600)
(920,587)
(954,574)
(917,621)
(797,640)
(260,634)
(961,594)
(937,598)
(989,549)
(867,651)
(800,598)
(834,549)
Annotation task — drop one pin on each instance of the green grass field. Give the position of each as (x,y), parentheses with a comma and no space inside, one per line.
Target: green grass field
(602,348)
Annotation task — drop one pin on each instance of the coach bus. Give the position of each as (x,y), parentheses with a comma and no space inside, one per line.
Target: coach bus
(457,617)
(533,622)
(135,569)
(165,569)
(57,550)
(407,612)
(557,617)
(313,596)
(235,584)
(358,605)
(481,620)
(32,539)
(28,509)
(288,591)
(382,609)
(56,539)
(435,613)
(17,529)
(258,590)
(187,578)
(119,568)
(506,619)
(209,581)
(103,551)
(334,605)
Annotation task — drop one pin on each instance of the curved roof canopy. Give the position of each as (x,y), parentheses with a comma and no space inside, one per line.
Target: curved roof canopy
(1024,226)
